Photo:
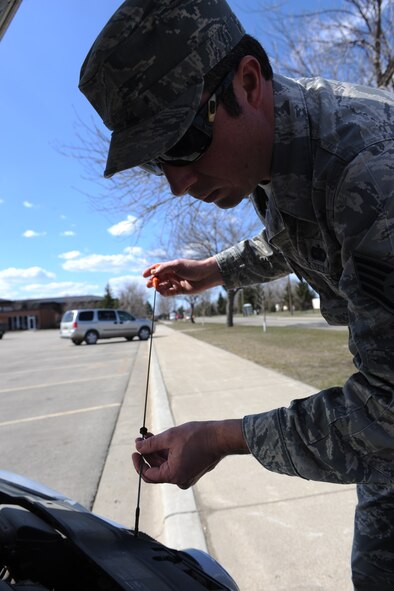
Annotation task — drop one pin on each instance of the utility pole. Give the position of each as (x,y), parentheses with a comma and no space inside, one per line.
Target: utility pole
(8,9)
(290,295)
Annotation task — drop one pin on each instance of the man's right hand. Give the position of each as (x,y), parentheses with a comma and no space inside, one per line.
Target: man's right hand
(184,276)
(181,455)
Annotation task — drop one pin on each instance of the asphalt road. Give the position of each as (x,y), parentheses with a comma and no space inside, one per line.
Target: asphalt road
(58,407)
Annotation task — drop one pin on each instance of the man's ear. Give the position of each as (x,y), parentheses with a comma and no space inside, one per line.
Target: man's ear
(249,81)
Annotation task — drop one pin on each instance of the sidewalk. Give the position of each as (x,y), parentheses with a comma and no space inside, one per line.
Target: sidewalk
(271,532)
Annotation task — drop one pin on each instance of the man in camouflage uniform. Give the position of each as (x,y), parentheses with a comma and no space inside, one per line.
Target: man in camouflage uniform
(319,157)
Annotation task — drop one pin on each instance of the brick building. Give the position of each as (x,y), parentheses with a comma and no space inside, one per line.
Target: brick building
(37,314)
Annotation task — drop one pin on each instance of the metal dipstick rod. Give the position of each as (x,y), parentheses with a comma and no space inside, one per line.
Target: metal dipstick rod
(143,429)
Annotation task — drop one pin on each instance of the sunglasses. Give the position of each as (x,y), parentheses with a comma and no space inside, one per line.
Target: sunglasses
(197,138)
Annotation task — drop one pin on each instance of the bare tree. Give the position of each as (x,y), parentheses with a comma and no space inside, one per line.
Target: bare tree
(164,306)
(192,301)
(134,191)
(214,230)
(132,297)
(354,42)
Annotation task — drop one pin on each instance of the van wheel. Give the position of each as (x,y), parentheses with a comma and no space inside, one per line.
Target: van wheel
(91,337)
(144,333)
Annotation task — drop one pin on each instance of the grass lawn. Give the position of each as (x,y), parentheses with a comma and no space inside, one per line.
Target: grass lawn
(317,357)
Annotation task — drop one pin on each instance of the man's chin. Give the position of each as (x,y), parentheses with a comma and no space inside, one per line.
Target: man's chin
(229,201)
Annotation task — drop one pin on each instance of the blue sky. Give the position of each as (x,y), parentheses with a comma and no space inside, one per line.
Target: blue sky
(55,242)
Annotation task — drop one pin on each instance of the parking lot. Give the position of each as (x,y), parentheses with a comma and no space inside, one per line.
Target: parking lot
(58,407)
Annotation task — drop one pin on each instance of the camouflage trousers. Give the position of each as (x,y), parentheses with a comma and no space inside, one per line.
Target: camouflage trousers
(373,544)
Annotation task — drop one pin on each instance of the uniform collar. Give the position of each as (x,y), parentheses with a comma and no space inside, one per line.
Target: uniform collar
(291,171)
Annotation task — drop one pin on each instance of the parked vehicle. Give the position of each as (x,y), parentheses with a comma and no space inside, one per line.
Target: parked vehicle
(49,542)
(94,324)
(2,329)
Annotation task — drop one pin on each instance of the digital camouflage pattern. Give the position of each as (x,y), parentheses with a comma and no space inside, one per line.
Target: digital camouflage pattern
(329,217)
(144,73)
(372,556)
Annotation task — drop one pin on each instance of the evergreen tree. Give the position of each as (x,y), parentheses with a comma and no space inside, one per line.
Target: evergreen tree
(221,304)
(108,300)
(303,296)
(251,296)
(288,296)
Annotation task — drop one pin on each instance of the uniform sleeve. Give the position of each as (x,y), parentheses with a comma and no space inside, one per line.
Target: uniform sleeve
(251,261)
(346,435)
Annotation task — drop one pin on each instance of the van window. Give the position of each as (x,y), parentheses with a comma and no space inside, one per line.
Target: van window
(68,316)
(124,316)
(86,315)
(106,315)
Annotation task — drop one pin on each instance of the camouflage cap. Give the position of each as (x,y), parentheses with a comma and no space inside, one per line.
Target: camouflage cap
(144,73)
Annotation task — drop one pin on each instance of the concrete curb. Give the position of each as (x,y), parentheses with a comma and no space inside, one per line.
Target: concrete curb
(180,525)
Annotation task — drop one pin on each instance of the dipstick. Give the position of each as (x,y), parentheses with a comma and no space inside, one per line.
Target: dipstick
(143,430)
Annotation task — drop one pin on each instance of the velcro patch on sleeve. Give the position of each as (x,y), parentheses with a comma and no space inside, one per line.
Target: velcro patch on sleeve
(376,279)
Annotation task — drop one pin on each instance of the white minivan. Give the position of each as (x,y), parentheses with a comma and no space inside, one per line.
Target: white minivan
(93,324)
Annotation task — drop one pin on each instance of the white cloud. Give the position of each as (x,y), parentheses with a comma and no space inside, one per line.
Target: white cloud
(131,260)
(133,250)
(33,234)
(71,254)
(12,280)
(60,289)
(18,275)
(158,254)
(28,204)
(68,233)
(125,227)
(1,201)
(118,283)
(36,282)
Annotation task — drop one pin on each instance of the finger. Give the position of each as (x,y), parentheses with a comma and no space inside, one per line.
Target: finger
(143,463)
(146,436)
(138,460)
(155,459)
(158,269)
(150,445)
(159,284)
(148,474)
(158,474)
(174,287)
(150,270)
(153,282)
(167,269)
(194,479)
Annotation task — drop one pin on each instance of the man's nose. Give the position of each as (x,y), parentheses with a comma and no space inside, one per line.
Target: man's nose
(180,178)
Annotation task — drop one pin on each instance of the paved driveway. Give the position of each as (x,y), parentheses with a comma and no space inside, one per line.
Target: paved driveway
(58,407)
